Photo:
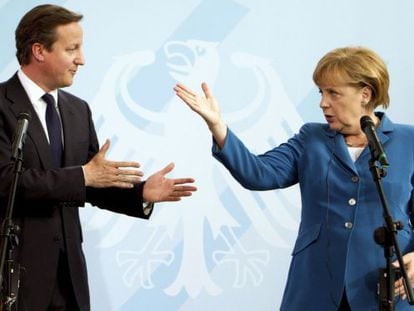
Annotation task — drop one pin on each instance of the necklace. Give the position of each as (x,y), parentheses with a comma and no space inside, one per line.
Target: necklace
(356,144)
(353,141)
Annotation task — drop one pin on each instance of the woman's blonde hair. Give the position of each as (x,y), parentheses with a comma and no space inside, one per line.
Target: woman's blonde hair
(356,66)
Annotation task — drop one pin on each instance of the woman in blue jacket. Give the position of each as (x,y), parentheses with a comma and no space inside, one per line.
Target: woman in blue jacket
(335,259)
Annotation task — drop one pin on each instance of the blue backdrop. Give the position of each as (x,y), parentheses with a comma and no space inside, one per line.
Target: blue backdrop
(224,248)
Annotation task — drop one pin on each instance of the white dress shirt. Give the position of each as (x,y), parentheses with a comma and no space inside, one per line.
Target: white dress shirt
(35,94)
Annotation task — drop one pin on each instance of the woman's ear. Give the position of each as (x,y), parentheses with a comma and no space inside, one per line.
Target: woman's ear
(366,95)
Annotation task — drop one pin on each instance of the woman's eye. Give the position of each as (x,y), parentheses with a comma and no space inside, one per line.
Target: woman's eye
(333,93)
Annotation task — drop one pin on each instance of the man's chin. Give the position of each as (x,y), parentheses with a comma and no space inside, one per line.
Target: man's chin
(66,83)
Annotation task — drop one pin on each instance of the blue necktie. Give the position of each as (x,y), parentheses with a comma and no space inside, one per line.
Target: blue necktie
(54,129)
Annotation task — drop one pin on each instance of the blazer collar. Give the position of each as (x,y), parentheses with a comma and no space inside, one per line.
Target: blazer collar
(336,142)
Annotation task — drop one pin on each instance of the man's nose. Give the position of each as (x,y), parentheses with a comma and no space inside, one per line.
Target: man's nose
(80,59)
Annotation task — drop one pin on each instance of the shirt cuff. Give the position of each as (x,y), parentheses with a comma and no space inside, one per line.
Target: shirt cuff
(147,207)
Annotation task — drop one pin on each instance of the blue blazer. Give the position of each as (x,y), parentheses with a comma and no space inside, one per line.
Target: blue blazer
(341,209)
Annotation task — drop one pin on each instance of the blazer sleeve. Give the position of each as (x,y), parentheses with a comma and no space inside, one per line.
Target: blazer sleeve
(276,168)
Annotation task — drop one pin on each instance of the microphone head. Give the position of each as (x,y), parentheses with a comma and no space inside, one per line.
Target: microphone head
(25,115)
(366,121)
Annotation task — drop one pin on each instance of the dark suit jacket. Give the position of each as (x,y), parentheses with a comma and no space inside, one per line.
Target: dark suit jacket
(48,199)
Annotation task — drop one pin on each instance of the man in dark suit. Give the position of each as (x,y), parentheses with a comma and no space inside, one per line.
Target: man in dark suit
(62,171)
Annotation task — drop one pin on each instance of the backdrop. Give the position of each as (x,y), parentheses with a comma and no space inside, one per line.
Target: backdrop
(225,248)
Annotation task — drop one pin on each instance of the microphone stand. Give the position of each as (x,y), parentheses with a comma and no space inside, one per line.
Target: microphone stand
(386,236)
(9,277)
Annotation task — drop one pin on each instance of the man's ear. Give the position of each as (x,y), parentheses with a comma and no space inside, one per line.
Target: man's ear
(38,51)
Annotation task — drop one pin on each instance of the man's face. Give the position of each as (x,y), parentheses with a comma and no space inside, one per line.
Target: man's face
(62,61)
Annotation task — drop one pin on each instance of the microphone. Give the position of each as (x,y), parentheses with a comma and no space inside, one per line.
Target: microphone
(20,135)
(368,127)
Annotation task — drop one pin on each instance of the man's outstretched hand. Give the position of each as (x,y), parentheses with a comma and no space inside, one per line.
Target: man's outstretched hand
(158,188)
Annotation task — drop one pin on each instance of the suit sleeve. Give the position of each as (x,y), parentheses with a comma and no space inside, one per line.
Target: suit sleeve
(123,201)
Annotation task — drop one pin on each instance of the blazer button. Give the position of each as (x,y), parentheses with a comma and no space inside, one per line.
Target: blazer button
(354,179)
(352,201)
(348,225)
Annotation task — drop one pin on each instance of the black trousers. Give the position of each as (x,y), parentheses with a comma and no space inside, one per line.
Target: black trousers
(63,298)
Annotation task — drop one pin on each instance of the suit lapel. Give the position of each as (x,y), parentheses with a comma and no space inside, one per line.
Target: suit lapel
(67,116)
(20,102)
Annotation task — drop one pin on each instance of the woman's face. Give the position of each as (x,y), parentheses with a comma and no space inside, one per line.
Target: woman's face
(344,105)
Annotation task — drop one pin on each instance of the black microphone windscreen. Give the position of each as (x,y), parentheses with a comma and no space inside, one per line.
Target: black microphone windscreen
(366,121)
(25,115)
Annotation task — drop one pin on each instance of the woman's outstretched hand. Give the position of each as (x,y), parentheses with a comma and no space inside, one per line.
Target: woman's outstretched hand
(207,107)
